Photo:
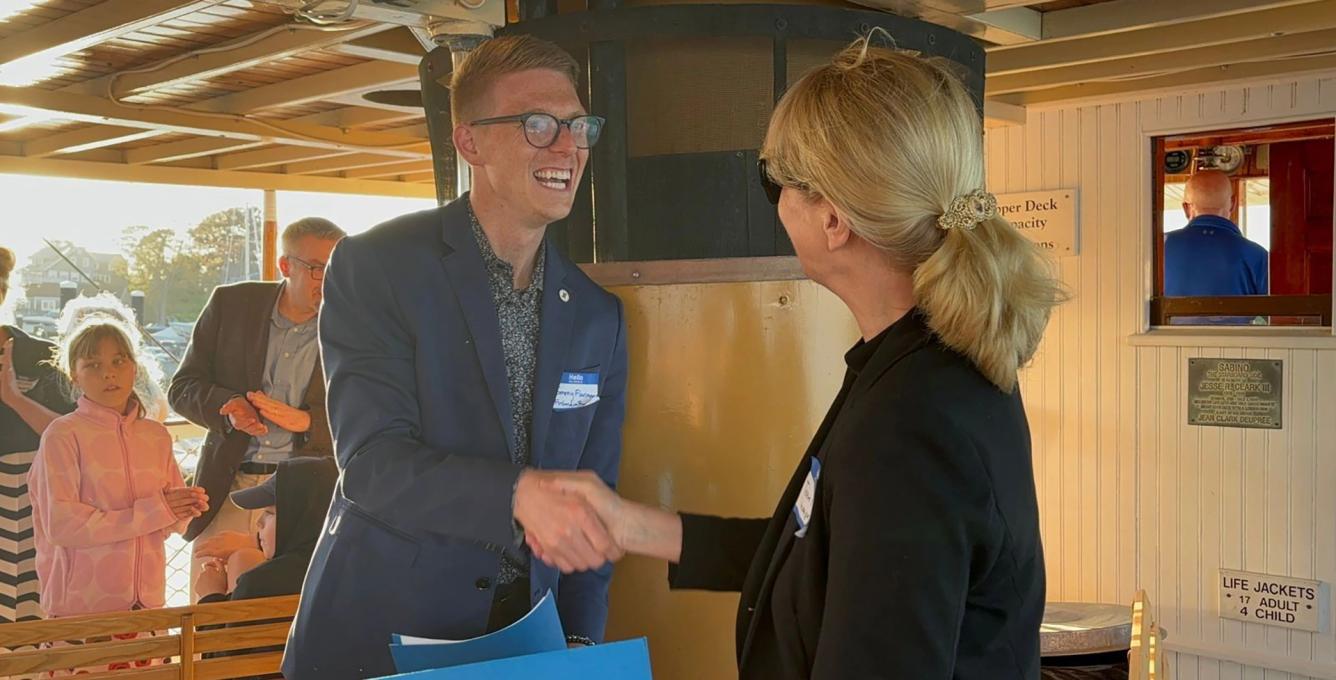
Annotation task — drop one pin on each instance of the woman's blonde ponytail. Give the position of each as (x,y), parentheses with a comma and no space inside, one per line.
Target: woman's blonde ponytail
(895,142)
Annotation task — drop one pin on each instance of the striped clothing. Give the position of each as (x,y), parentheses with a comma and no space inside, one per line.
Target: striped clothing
(18,445)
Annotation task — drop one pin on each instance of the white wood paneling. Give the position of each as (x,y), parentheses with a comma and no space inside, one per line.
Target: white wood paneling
(1131,496)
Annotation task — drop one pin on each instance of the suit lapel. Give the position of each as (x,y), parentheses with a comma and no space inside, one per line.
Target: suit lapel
(257,336)
(557,322)
(468,278)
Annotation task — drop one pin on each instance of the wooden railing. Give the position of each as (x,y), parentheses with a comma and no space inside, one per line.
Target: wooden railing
(1163,309)
(253,629)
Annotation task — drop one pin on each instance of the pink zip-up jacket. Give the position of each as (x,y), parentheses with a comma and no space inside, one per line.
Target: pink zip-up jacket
(99,514)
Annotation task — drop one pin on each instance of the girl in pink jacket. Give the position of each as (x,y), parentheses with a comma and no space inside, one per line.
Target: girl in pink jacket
(106,490)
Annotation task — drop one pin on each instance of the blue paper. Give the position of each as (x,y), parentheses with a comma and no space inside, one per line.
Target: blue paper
(539,631)
(627,660)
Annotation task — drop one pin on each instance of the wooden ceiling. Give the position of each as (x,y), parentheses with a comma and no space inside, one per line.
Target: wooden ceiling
(238,93)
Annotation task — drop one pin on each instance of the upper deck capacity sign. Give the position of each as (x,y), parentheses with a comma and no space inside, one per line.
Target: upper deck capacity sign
(1046,217)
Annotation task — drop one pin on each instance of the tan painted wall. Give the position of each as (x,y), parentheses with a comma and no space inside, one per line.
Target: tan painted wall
(728,383)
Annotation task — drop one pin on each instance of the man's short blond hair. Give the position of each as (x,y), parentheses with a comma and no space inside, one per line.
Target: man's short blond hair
(471,83)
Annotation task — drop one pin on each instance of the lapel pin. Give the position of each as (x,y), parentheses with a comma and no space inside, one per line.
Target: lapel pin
(565,297)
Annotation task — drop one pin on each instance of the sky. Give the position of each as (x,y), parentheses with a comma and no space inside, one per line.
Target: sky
(93,213)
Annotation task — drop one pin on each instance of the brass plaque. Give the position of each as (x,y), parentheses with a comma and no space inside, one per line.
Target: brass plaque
(1235,393)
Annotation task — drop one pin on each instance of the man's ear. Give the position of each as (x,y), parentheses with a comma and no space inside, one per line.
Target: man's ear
(466,145)
(836,228)
(284,266)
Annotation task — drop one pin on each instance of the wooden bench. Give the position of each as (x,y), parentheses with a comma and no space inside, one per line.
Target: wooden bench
(254,628)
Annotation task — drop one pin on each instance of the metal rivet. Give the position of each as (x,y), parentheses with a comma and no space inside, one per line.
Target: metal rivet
(932,39)
(783,300)
(635,275)
(781,24)
(565,297)
(864,28)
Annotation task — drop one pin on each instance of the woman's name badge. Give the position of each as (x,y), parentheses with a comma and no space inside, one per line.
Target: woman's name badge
(802,510)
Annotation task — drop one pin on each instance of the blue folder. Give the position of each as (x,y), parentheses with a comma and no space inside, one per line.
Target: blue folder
(627,660)
(538,631)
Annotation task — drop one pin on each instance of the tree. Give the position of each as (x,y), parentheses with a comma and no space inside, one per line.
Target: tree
(177,274)
(227,244)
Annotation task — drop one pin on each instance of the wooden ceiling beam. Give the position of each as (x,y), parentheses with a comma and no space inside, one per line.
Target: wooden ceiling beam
(418,177)
(280,45)
(316,87)
(339,163)
(1298,44)
(261,158)
(1178,81)
(98,23)
(389,170)
(1124,15)
(953,14)
(84,139)
(186,149)
(357,116)
(23,101)
(1159,39)
(159,174)
(397,46)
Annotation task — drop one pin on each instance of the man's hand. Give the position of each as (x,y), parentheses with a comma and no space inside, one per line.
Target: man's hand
(287,417)
(634,527)
(562,528)
(187,502)
(244,417)
(212,580)
(9,378)
(222,544)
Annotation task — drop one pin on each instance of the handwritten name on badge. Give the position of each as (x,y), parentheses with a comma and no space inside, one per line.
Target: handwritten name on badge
(802,510)
(576,390)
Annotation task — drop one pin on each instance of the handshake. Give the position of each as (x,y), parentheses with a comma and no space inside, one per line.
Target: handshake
(574,522)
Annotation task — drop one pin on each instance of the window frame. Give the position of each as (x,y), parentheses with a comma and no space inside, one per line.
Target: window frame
(1161,308)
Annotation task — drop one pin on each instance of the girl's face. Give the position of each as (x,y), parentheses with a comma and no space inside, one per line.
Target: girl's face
(107,377)
(268,532)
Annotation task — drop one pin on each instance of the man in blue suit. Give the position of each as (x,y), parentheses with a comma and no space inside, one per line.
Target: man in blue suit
(465,355)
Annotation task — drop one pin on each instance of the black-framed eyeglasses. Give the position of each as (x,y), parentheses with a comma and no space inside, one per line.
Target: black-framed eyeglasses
(542,129)
(317,270)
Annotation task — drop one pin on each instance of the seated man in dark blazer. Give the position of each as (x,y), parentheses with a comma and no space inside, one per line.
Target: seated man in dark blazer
(464,356)
(251,375)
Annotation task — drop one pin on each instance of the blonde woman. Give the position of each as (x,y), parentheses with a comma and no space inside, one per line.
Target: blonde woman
(907,542)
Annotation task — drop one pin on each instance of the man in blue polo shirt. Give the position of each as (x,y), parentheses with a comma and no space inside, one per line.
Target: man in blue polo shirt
(1210,256)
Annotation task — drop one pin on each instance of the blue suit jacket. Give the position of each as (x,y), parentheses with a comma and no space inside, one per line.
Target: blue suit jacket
(419,408)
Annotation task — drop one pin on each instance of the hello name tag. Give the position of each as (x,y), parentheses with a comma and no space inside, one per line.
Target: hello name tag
(576,390)
(802,510)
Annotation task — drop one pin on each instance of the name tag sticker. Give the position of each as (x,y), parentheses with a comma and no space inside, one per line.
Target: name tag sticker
(576,390)
(802,510)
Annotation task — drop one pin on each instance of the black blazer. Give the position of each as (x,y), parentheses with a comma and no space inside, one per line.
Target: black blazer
(226,358)
(922,558)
